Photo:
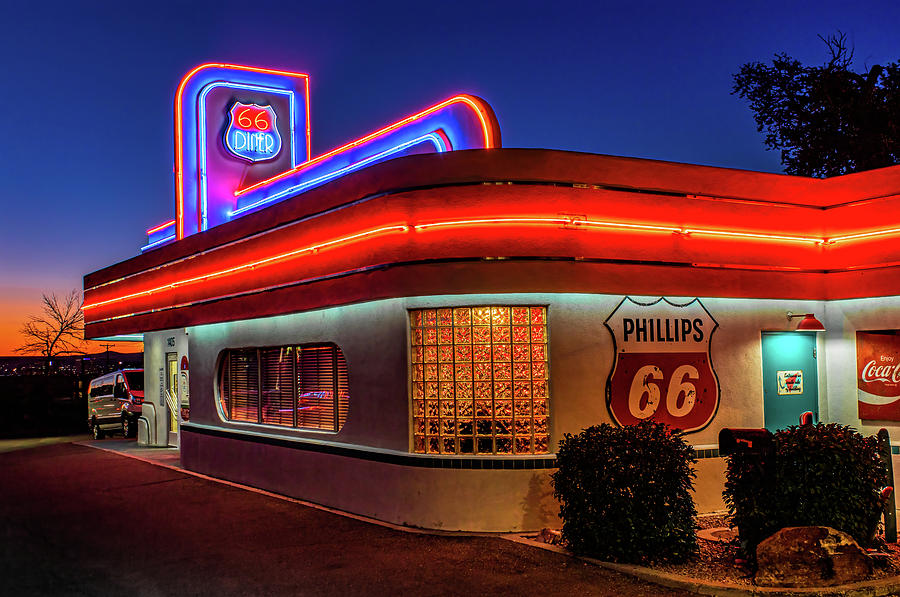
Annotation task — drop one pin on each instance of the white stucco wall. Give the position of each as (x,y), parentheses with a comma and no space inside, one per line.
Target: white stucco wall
(842,320)
(374,339)
(156,345)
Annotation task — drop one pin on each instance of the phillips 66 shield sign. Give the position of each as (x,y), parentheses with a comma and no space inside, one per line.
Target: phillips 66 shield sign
(662,370)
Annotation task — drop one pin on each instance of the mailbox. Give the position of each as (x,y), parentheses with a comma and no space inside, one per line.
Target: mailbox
(745,441)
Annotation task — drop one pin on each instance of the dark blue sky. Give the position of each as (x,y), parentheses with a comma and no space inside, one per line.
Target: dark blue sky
(87,136)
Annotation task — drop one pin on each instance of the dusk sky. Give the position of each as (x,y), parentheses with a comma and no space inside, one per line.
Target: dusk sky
(87,148)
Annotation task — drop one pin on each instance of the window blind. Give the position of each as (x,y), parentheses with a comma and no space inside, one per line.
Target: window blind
(303,386)
(277,385)
(243,381)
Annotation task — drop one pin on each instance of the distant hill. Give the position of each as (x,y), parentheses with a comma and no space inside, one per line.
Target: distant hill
(89,364)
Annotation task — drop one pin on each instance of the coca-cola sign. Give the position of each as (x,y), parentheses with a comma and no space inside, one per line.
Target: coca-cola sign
(662,370)
(878,375)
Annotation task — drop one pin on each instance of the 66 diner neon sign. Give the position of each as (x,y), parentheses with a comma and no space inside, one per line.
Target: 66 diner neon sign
(251,133)
(662,370)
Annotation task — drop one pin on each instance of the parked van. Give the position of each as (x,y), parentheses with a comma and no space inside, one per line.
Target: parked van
(114,402)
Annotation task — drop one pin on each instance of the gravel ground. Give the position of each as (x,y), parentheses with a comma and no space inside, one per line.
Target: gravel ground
(715,560)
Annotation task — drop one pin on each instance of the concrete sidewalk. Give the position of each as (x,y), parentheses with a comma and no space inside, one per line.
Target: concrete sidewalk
(82,521)
(167,457)
(11,445)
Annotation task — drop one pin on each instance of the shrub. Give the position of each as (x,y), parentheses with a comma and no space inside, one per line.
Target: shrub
(818,475)
(625,493)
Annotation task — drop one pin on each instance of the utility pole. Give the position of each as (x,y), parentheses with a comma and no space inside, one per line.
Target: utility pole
(107,347)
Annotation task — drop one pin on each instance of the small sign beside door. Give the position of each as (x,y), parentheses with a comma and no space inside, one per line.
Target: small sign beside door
(790,382)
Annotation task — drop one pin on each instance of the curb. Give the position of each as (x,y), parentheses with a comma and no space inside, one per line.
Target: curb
(870,588)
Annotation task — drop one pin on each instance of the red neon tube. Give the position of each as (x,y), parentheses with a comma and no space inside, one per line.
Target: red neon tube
(466,99)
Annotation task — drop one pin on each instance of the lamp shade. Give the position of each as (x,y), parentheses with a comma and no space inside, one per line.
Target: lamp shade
(810,323)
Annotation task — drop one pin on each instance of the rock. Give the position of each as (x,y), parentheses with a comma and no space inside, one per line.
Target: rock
(550,536)
(720,534)
(810,557)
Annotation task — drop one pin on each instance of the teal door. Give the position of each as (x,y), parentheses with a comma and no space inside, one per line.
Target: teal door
(790,377)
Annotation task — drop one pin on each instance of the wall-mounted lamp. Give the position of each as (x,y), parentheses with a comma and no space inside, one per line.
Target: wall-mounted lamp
(809,323)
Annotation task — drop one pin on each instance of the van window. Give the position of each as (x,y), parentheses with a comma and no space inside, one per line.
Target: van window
(135,380)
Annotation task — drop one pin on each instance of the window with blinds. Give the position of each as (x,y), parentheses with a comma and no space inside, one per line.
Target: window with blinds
(480,380)
(301,386)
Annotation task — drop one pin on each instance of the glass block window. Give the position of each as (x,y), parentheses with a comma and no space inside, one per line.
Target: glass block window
(480,380)
(289,386)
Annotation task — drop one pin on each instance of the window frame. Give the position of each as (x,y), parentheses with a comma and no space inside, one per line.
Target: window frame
(339,367)
(544,416)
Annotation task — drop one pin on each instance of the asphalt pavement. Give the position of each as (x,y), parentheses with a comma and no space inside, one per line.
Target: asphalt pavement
(79,521)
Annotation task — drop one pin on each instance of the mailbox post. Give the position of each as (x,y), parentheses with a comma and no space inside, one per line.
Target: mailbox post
(751,442)
(757,444)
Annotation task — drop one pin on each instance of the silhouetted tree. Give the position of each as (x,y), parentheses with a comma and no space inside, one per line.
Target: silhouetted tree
(57,330)
(826,120)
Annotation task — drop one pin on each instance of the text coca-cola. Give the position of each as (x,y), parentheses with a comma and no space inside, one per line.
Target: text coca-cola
(874,371)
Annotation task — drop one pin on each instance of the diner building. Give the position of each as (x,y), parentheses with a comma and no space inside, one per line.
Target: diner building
(406,327)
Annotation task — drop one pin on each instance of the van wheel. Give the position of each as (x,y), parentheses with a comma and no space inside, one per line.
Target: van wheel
(127,427)
(96,431)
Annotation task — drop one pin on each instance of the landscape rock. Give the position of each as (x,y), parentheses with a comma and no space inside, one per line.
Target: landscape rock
(810,557)
(551,536)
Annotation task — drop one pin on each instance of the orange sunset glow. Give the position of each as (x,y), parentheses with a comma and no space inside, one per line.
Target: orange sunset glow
(18,304)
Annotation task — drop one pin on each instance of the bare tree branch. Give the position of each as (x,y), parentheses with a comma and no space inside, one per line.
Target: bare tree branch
(58,330)
(841,55)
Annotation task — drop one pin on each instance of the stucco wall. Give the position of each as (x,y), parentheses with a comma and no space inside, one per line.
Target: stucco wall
(156,345)
(842,320)
(374,339)
(433,498)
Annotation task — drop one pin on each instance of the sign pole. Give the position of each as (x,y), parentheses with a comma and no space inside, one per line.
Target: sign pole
(890,507)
